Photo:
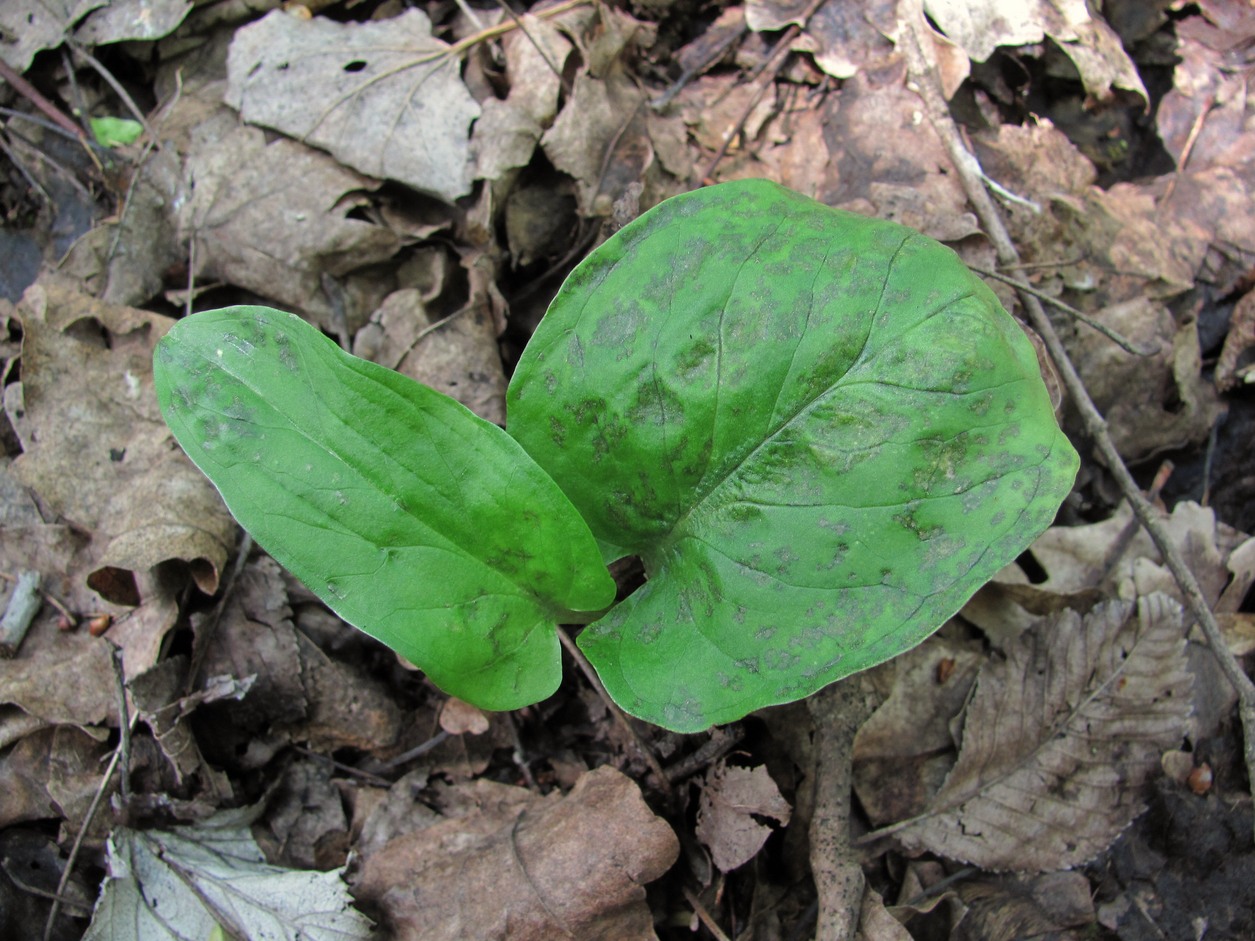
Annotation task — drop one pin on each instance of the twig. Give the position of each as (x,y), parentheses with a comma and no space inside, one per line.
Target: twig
(416,752)
(1113,335)
(92,809)
(774,61)
(706,918)
(595,681)
(23,605)
(722,740)
(28,91)
(124,724)
(929,88)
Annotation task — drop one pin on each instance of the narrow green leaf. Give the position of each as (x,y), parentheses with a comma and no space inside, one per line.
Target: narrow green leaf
(821,433)
(413,519)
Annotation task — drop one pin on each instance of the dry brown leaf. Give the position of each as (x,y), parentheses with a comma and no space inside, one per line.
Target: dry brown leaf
(601,139)
(91,699)
(1060,739)
(731,798)
(276,219)
(51,774)
(520,867)
(384,97)
(305,826)
(458,717)
(253,636)
(96,448)
(882,157)
(348,707)
(981,26)
(843,37)
(458,357)
(300,692)
(1239,344)
(903,753)
(507,132)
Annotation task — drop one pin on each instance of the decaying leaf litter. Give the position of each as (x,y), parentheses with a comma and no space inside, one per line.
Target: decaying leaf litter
(1065,756)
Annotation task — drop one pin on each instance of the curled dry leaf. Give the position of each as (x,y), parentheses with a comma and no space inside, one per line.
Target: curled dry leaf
(1060,738)
(526,868)
(731,798)
(96,448)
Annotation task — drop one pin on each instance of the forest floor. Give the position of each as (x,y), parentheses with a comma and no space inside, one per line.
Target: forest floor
(191,742)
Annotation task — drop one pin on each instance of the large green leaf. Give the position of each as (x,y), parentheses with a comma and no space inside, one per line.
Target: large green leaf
(413,519)
(820,432)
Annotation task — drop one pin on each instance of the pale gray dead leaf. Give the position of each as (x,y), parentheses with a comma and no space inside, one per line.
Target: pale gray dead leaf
(1060,739)
(731,798)
(182,884)
(981,26)
(121,20)
(29,26)
(600,139)
(385,97)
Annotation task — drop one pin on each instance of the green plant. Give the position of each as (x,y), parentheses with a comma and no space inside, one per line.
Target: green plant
(820,432)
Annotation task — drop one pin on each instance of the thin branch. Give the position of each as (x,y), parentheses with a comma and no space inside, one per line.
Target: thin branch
(1113,335)
(595,681)
(928,86)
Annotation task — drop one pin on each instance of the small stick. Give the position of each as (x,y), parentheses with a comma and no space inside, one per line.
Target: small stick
(595,681)
(31,93)
(706,918)
(1114,336)
(23,605)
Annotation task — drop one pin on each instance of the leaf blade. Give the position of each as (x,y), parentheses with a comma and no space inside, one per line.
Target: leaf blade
(412,518)
(798,418)
(1059,738)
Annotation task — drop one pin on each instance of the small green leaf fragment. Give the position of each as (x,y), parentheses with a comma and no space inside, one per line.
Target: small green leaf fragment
(415,520)
(821,432)
(115,132)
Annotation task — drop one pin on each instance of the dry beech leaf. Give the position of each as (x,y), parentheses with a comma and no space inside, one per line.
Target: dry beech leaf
(385,98)
(526,868)
(457,356)
(731,798)
(1060,738)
